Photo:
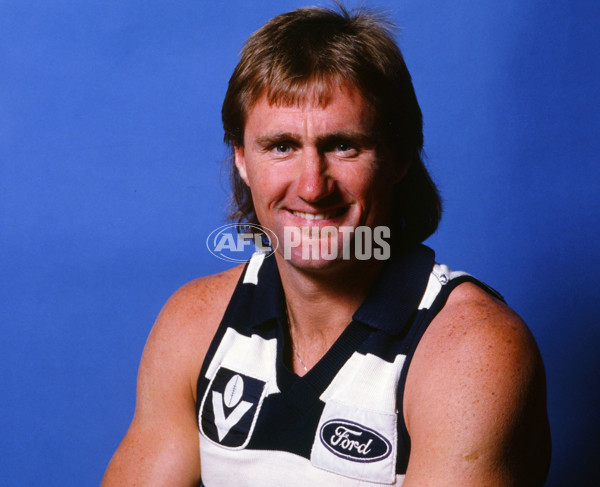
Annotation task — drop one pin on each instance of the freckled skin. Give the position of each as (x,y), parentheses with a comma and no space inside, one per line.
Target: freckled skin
(475,398)
(161,445)
(474,402)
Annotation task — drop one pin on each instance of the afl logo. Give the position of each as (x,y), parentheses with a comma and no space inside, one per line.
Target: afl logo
(354,442)
(237,242)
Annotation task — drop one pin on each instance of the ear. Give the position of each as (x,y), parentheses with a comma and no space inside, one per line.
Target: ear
(240,163)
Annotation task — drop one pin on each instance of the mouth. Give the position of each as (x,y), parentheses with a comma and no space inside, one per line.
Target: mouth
(319,216)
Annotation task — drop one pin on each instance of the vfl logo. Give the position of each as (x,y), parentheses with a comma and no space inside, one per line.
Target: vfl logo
(229,408)
(354,442)
(232,399)
(237,242)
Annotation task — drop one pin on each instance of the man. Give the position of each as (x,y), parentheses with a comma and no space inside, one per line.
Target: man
(318,366)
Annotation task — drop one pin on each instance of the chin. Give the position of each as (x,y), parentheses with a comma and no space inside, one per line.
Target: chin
(311,255)
(315,265)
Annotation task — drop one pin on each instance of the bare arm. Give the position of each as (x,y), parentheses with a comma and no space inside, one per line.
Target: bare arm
(161,445)
(475,399)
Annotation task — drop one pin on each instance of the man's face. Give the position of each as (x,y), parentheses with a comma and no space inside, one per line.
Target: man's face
(311,166)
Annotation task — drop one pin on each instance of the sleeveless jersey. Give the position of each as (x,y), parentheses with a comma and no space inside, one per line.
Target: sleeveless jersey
(341,423)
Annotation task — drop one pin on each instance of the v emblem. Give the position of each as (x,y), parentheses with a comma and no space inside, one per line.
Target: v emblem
(230,408)
(224,424)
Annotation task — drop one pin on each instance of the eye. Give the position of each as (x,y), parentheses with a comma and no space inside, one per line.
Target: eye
(345,149)
(281,149)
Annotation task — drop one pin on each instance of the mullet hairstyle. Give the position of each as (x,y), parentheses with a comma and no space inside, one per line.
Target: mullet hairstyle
(301,57)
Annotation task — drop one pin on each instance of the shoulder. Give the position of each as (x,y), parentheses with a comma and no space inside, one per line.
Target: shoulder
(200,301)
(187,323)
(478,376)
(161,445)
(472,320)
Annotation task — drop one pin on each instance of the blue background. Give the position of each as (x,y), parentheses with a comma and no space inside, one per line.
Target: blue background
(111,178)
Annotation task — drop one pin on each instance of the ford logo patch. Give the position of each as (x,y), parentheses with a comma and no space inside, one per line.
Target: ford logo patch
(353,441)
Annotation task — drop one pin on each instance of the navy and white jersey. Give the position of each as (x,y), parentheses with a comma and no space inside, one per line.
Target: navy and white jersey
(341,423)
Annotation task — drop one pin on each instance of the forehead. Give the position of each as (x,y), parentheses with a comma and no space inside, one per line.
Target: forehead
(344,107)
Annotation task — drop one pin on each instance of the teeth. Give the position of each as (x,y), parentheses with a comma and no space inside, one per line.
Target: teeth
(314,216)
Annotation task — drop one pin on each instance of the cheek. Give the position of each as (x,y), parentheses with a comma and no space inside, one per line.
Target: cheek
(374,191)
(386,181)
(266,185)
(363,183)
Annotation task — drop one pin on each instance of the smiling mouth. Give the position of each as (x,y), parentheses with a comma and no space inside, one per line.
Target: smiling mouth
(319,216)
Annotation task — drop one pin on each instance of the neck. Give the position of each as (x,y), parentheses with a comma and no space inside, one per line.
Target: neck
(320,304)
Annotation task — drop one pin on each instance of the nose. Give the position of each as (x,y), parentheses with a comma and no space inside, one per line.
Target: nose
(314,183)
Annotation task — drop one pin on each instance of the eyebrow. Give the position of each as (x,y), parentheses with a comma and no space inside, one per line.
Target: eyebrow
(270,139)
(361,138)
